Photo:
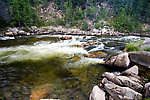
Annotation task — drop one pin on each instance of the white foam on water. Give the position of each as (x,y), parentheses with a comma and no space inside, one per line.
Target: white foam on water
(130,38)
(98,47)
(39,51)
(7,38)
(85,62)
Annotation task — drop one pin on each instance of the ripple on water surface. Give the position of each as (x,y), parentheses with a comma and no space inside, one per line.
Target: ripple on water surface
(29,64)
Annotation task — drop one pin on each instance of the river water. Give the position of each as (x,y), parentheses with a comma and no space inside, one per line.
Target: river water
(36,62)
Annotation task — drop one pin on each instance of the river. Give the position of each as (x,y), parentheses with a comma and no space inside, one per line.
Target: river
(30,63)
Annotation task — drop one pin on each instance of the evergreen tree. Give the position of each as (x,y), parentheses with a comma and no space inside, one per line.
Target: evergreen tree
(22,13)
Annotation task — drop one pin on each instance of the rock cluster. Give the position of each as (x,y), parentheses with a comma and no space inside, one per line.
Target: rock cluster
(33,30)
(126,86)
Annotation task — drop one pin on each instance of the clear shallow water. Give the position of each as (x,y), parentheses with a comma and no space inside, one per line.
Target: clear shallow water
(31,63)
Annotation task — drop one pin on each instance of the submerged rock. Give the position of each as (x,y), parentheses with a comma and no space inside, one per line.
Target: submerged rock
(97,94)
(121,60)
(40,93)
(123,81)
(65,38)
(142,58)
(120,93)
(96,55)
(75,58)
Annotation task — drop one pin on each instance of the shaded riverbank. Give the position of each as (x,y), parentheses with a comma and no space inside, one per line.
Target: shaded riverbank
(51,30)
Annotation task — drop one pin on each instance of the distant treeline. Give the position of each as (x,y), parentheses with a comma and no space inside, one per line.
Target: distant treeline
(123,15)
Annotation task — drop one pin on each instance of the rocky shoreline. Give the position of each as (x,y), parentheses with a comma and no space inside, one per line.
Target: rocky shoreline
(127,85)
(33,30)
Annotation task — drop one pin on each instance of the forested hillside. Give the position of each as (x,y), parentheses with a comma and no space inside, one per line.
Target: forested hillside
(123,15)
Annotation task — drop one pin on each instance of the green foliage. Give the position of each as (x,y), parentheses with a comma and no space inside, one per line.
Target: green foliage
(98,25)
(125,22)
(103,14)
(85,25)
(79,15)
(132,47)
(147,98)
(92,12)
(147,49)
(59,21)
(23,13)
(125,15)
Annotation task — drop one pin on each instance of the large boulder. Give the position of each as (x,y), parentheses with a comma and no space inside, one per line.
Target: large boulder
(120,93)
(142,58)
(147,89)
(131,71)
(123,81)
(97,94)
(121,60)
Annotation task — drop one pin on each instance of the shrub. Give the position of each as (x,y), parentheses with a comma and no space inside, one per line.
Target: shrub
(92,12)
(59,21)
(98,25)
(85,25)
(79,15)
(132,47)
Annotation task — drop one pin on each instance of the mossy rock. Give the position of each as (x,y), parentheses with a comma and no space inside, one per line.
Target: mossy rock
(98,54)
(74,58)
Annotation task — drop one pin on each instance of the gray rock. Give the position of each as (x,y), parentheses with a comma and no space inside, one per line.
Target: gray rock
(147,89)
(14,30)
(145,44)
(135,79)
(142,58)
(132,71)
(33,27)
(121,60)
(9,33)
(120,93)
(21,32)
(97,94)
(123,81)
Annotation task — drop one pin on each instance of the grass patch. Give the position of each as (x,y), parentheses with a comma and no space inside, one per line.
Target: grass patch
(132,47)
(135,46)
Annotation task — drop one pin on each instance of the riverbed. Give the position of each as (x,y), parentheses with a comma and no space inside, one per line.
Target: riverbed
(29,63)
